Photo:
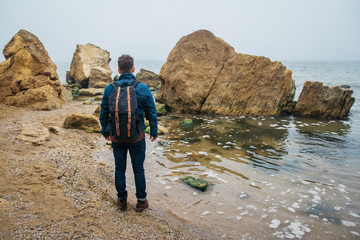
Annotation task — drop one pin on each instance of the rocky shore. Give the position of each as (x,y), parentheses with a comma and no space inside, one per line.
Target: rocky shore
(58,190)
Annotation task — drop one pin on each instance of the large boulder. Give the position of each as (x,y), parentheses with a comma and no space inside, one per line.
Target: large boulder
(251,86)
(204,74)
(317,100)
(191,70)
(90,64)
(27,71)
(149,78)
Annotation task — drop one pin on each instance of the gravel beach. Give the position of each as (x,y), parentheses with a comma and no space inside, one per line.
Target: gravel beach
(59,191)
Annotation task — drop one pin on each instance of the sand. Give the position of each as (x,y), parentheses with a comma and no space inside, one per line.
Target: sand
(59,191)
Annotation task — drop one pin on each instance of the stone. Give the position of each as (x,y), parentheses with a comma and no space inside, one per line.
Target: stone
(317,100)
(26,69)
(99,77)
(191,70)
(43,98)
(55,130)
(34,133)
(196,183)
(89,59)
(162,130)
(251,86)
(204,74)
(161,109)
(88,123)
(91,92)
(151,79)
(97,111)
(187,122)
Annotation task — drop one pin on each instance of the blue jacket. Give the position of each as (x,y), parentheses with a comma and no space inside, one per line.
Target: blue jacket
(145,101)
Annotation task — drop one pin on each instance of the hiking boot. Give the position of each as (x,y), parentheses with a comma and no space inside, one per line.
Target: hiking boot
(122,204)
(141,205)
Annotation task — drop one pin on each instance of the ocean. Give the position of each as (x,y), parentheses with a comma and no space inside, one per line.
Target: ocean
(283,178)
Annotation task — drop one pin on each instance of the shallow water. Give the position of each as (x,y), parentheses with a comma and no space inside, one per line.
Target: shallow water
(289,176)
(271,178)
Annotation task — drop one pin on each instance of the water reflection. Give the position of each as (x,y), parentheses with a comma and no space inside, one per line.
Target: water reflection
(258,142)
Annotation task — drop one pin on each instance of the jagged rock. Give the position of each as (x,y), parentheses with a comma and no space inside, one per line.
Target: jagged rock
(317,100)
(89,59)
(88,123)
(34,133)
(251,86)
(149,78)
(43,98)
(28,76)
(205,74)
(191,69)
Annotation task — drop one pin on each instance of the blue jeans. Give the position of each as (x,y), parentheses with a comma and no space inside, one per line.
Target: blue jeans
(137,154)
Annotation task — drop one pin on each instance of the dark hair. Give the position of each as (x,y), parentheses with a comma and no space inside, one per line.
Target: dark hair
(126,63)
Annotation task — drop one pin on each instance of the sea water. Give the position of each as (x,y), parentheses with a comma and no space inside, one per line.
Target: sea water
(270,177)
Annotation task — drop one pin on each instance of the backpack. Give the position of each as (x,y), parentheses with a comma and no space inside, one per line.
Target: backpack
(125,123)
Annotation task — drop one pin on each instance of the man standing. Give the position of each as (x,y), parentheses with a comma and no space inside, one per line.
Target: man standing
(136,147)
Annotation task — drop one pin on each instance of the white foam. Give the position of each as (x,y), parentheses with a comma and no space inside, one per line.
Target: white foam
(205,213)
(275,223)
(348,223)
(291,209)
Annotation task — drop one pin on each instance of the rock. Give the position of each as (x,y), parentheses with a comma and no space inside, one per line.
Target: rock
(197,183)
(69,79)
(89,59)
(251,86)
(34,133)
(203,74)
(55,130)
(99,77)
(91,92)
(43,98)
(161,109)
(191,70)
(149,78)
(27,69)
(317,100)
(97,111)
(89,123)
(186,122)
(162,130)
(345,86)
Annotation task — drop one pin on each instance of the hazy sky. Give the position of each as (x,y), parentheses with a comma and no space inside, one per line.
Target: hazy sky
(278,29)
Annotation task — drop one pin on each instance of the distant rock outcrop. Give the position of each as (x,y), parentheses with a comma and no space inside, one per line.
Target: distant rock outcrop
(90,66)
(317,100)
(204,74)
(149,78)
(28,76)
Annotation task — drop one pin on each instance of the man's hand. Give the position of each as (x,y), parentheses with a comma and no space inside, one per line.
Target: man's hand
(108,138)
(152,138)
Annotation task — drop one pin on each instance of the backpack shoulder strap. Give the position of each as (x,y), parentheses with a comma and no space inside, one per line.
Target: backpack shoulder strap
(115,85)
(134,83)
